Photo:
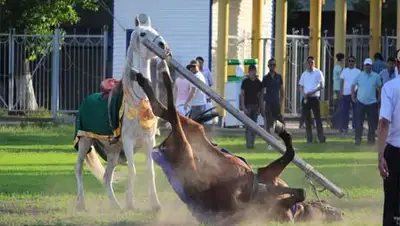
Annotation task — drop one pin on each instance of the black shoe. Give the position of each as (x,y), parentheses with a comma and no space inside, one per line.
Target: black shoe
(323,140)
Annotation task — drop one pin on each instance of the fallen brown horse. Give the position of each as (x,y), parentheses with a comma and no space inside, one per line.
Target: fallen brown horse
(219,187)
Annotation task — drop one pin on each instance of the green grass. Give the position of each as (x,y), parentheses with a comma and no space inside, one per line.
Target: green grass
(37,180)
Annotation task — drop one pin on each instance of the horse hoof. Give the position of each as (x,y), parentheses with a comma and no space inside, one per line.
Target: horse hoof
(131,207)
(116,206)
(278,127)
(80,207)
(156,209)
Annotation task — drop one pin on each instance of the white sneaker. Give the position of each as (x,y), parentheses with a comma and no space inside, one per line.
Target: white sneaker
(269,147)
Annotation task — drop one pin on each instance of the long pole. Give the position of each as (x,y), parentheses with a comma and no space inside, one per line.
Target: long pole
(304,166)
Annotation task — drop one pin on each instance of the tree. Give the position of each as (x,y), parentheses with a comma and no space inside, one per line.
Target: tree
(37,17)
(293,7)
(388,12)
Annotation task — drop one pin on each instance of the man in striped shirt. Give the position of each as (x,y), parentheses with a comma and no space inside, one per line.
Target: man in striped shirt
(379,64)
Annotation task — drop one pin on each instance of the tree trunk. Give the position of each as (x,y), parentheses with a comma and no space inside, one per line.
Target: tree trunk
(24,89)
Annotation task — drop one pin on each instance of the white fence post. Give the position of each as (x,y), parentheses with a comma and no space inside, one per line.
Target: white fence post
(55,75)
(105,52)
(11,77)
(295,55)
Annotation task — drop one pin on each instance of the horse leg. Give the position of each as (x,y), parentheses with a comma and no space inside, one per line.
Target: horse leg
(84,146)
(129,145)
(157,107)
(274,169)
(155,203)
(112,161)
(180,149)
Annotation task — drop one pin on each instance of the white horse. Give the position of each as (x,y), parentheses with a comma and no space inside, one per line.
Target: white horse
(138,126)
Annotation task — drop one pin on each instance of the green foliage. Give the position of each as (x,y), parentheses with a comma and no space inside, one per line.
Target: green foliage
(41,17)
(388,12)
(293,7)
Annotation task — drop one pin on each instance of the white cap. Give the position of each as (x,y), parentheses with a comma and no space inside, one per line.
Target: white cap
(368,61)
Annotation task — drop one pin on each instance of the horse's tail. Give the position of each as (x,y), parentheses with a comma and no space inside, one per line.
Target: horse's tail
(97,168)
(94,165)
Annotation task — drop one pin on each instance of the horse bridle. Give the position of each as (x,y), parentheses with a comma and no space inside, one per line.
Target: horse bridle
(134,71)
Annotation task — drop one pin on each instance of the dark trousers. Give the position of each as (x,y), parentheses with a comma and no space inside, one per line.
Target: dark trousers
(336,118)
(391,187)
(272,113)
(371,110)
(197,110)
(252,110)
(312,104)
(346,103)
(336,102)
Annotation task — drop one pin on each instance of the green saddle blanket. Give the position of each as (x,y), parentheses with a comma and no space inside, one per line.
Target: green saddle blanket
(92,119)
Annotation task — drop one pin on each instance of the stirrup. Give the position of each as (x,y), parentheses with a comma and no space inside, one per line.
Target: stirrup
(278,127)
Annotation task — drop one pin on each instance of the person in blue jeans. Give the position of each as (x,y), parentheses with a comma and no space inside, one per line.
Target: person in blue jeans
(347,77)
(368,83)
(250,92)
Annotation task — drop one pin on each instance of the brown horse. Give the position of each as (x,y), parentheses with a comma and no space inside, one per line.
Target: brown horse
(219,187)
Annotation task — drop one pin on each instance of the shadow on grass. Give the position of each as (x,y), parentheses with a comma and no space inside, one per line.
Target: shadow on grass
(46,184)
(55,182)
(307,148)
(30,139)
(338,163)
(40,150)
(64,182)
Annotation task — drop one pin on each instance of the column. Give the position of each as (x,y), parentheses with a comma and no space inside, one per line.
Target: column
(315,30)
(257,24)
(222,49)
(280,42)
(375,20)
(340,26)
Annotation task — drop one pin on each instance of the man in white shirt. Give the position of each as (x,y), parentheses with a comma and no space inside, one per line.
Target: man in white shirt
(311,83)
(389,148)
(209,81)
(346,81)
(196,99)
(206,72)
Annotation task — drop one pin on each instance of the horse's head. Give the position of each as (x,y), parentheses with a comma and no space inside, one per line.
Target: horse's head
(138,55)
(318,210)
(142,32)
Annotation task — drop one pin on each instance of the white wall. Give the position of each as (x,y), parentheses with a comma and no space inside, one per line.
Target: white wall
(184,24)
(240,26)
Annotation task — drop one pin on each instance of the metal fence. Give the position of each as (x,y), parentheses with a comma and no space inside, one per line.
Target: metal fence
(297,52)
(69,67)
(65,69)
